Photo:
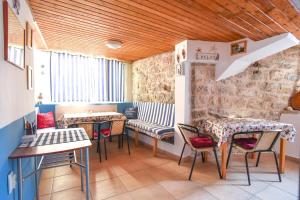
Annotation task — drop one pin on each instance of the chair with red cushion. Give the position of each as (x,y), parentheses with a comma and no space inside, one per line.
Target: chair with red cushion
(198,142)
(258,142)
(108,129)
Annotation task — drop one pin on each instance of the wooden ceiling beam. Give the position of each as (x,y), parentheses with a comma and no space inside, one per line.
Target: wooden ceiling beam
(104,23)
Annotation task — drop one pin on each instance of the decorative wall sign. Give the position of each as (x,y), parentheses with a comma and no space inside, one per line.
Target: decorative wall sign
(178,58)
(179,69)
(239,47)
(206,56)
(183,53)
(29,78)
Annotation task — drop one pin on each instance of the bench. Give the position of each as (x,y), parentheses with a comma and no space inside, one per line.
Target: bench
(155,120)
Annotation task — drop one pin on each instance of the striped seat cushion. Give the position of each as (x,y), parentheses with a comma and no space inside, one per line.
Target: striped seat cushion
(153,130)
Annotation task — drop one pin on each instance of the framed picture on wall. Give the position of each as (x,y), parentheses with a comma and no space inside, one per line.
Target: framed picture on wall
(29,35)
(29,78)
(239,47)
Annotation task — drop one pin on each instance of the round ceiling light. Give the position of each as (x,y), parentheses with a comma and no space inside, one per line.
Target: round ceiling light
(113,44)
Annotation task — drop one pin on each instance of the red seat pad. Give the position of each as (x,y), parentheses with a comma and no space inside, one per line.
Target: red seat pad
(105,131)
(246,143)
(45,120)
(202,142)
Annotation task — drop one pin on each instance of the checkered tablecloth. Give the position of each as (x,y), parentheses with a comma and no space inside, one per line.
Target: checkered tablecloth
(57,136)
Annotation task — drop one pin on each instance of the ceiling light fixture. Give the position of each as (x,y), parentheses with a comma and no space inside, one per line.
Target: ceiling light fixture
(113,44)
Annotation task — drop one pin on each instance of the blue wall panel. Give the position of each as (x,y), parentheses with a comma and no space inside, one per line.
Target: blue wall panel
(51,107)
(10,137)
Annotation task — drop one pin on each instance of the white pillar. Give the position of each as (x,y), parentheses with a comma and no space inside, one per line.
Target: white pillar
(182,104)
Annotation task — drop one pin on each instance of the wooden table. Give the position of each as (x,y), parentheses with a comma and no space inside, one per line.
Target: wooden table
(223,128)
(42,150)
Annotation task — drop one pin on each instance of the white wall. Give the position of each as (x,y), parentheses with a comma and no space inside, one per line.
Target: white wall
(292,148)
(15,99)
(42,75)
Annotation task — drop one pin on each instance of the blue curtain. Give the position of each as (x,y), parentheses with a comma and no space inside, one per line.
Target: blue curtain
(76,78)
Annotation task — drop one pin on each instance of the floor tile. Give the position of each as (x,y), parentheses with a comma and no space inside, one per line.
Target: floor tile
(151,192)
(136,180)
(288,185)
(45,186)
(180,189)
(227,192)
(124,196)
(45,197)
(66,182)
(47,173)
(274,193)
(107,188)
(199,194)
(71,194)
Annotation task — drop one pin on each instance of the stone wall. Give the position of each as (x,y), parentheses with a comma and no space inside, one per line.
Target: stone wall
(154,79)
(262,91)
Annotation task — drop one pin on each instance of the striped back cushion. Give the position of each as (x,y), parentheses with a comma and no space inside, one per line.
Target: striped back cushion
(156,113)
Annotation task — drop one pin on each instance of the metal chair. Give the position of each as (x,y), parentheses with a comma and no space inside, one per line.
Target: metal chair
(115,128)
(198,142)
(264,143)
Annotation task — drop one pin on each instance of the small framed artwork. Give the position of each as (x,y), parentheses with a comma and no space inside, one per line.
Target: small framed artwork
(29,78)
(29,35)
(239,47)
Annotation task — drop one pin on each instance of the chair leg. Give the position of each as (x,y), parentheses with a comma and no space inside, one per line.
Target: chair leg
(71,156)
(203,157)
(247,167)
(181,154)
(99,143)
(105,149)
(191,172)
(217,161)
(122,141)
(277,167)
(229,154)
(127,136)
(119,142)
(257,161)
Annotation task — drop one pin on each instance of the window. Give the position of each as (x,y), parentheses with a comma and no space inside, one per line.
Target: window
(76,78)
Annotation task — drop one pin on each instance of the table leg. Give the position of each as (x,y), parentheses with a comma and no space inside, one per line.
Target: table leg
(81,163)
(282,155)
(224,159)
(36,178)
(136,138)
(87,181)
(20,179)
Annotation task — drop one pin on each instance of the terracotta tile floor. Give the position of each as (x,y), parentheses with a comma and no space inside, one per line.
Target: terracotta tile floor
(141,176)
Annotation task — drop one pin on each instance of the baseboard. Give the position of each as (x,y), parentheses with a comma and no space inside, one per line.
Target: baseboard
(292,159)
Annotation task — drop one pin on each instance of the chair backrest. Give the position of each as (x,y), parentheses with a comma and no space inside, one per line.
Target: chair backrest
(157,113)
(117,127)
(187,131)
(267,140)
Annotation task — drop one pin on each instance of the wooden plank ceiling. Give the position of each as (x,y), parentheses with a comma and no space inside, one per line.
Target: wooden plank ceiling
(149,27)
